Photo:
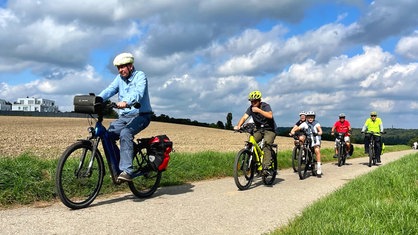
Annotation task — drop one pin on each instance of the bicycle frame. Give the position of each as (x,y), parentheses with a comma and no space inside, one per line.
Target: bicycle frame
(111,150)
(259,153)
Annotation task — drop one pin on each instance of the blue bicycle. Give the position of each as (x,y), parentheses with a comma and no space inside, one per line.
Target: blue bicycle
(81,168)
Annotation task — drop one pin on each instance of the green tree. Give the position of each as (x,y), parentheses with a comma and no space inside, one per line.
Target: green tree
(228,125)
(220,125)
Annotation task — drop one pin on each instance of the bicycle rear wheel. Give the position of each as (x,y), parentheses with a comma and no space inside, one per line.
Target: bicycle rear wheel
(269,179)
(302,163)
(243,169)
(77,184)
(146,184)
(295,155)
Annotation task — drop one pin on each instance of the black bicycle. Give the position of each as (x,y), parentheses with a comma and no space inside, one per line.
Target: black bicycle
(307,159)
(80,170)
(341,148)
(373,147)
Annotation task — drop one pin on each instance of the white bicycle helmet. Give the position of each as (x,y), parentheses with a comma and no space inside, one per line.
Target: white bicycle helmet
(123,58)
(310,113)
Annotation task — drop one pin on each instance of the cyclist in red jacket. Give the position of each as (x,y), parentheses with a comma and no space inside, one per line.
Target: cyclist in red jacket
(342,126)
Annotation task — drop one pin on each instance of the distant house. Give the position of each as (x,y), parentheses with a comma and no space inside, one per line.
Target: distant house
(5,106)
(34,105)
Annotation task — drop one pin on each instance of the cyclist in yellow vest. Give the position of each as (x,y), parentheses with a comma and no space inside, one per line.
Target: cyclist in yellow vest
(373,125)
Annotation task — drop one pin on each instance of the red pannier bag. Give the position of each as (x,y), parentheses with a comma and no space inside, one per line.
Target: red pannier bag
(159,150)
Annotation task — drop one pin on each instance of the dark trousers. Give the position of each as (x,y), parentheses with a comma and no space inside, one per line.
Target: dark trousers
(377,146)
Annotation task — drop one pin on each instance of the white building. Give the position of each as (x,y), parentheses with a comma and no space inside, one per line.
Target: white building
(5,106)
(34,105)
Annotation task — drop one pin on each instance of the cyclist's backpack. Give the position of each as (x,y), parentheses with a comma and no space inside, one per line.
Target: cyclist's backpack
(159,150)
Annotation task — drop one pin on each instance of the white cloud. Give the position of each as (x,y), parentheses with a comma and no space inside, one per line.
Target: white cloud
(408,46)
(202,58)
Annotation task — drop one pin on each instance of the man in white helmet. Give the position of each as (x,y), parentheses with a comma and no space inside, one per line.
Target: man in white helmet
(132,89)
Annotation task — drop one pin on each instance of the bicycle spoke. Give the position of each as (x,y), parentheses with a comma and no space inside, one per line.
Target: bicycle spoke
(79,176)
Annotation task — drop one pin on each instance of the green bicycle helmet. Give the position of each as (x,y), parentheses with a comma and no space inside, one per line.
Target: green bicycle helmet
(254,95)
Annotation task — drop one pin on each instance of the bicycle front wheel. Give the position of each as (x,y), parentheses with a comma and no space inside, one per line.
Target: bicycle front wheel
(243,169)
(269,179)
(146,184)
(302,163)
(371,155)
(79,175)
(340,155)
(295,155)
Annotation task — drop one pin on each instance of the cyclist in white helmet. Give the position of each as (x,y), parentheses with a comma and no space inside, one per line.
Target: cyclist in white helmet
(131,86)
(300,134)
(312,126)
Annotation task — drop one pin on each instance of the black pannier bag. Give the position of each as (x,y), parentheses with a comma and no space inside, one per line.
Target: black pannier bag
(159,150)
(351,149)
(90,104)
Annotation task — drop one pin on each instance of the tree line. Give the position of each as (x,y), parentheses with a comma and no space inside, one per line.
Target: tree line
(393,136)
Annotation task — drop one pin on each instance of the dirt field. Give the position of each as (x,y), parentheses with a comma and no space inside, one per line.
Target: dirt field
(48,137)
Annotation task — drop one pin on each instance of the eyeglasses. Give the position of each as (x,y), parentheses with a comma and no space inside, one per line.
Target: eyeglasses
(373,115)
(342,117)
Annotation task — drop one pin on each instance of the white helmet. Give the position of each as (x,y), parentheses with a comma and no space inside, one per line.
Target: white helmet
(123,58)
(302,113)
(310,113)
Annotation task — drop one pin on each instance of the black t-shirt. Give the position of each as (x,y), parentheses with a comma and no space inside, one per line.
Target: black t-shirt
(261,121)
(299,122)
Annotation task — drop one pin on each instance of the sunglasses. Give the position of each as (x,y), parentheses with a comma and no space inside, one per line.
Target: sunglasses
(373,115)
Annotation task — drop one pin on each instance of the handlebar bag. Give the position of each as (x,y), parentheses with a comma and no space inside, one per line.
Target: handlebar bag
(89,104)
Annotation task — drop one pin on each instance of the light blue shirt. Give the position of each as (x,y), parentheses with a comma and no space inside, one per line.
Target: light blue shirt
(132,90)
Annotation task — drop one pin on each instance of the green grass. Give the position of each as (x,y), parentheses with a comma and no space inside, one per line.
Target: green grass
(27,179)
(382,202)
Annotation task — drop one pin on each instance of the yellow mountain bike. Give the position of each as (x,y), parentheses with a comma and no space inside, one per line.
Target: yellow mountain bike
(249,161)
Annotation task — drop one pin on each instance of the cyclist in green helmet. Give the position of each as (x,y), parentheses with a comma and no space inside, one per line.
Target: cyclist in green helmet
(262,116)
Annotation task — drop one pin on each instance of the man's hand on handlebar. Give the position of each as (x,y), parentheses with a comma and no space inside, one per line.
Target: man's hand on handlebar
(121,105)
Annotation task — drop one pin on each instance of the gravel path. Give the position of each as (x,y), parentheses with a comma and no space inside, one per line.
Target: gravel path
(207,207)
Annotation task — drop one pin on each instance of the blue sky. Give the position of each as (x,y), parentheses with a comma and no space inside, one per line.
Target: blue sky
(202,58)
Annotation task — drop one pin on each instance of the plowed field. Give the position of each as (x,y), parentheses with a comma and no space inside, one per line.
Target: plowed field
(49,136)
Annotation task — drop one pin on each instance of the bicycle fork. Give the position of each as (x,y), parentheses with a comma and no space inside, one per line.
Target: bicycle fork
(78,173)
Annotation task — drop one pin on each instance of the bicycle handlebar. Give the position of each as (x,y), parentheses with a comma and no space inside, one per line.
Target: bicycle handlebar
(135,105)
(372,132)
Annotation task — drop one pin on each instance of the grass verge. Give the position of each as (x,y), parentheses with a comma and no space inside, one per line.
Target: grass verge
(381,202)
(27,179)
